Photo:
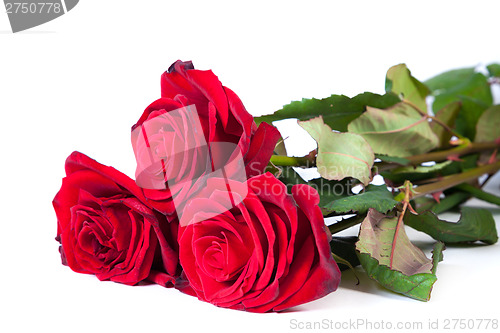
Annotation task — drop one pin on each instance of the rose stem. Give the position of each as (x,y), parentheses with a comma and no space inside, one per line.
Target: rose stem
(308,161)
(442,155)
(456,179)
(478,193)
(408,193)
(304,161)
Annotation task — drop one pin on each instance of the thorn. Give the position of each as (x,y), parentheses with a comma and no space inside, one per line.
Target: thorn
(436,195)
(413,211)
(493,157)
(282,140)
(454,157)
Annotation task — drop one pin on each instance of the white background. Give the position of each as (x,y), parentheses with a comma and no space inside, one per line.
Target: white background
(80,81)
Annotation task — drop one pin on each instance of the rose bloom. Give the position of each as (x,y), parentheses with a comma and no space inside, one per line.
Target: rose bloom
(269,253)
(198,127)
(105,228)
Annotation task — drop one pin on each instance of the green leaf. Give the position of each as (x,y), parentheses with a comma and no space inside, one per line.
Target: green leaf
(488,125)
(475,96)
(400,81)
(340,155)
(388,256)
(494,69)
(393,159)
(337,110)
(476,87)
(449,79)
(417,286)
(422,169)
(385,240)
(475,224)
(437,255)
(471,111)
(447,115)
(398,131)
(377,197)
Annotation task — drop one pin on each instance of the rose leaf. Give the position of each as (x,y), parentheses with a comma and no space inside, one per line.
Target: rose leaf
(475,224)
(337,110)
(475,96)
(494,69)
(388,256)
(400,81)
(398,131)
(393,159)
(340,155)
(449,79)
(377,197)
(488,125)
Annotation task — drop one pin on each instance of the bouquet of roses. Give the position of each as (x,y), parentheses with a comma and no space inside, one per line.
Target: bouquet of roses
(219,211)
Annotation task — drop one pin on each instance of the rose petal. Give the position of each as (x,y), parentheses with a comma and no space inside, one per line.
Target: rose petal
(261,149)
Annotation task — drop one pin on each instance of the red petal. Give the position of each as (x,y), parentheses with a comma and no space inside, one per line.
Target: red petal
(261,149)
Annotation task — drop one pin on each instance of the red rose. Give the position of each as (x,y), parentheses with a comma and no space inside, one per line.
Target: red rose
(269,253)
(105,228)
(196,128)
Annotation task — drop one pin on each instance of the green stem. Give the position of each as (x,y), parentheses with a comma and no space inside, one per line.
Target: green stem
(304,161)
(346,223)
(442,155)
(456,179)
(309,160)
(478,193)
